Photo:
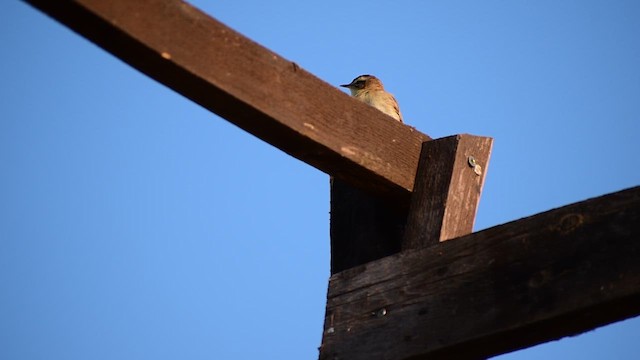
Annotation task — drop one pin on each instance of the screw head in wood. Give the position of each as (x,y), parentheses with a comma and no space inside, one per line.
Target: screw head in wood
(380,313)
(473,163)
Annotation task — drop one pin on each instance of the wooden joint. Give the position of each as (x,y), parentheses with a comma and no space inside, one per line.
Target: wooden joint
(448,184)
(367,227)
(533,280)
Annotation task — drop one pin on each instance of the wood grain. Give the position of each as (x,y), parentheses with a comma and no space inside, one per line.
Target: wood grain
(443,205)
(253,88)
(447,189)
(537,279)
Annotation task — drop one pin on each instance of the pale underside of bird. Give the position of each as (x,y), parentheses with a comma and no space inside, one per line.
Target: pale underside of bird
(369,89)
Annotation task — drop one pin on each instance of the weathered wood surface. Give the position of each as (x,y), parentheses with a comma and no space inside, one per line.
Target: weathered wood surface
(540,278)
(447,189)
(252,87)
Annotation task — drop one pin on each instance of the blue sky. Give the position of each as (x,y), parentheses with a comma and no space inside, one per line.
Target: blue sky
(136,225)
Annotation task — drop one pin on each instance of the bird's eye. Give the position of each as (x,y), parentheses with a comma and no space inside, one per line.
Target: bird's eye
(360,84)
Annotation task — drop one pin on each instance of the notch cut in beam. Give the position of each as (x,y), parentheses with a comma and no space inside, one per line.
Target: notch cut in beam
(554,274)
(253,88)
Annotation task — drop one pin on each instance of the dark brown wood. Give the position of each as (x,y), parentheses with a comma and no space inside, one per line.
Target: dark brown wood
(252,87)
(363,227)
(551,275)
(443,205)
(447,189)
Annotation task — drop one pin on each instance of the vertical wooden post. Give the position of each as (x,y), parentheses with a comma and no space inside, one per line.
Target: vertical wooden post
(447,189)
(363,227)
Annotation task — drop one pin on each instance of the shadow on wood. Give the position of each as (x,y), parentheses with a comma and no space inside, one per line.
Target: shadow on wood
(365,227)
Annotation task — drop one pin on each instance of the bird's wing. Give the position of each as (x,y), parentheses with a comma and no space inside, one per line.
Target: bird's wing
(396,108)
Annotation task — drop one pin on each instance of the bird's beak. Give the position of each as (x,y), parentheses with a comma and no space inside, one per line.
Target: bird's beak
(346,85)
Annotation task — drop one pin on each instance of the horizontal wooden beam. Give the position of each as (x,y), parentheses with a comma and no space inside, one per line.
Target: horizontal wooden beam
(551,275)
(252,87)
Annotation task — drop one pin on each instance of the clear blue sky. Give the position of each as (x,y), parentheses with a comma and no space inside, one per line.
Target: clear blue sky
(136,225)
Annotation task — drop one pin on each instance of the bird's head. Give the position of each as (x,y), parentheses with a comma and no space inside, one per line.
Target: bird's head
(364,82)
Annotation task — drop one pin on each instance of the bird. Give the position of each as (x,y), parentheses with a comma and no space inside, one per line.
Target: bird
(369,89)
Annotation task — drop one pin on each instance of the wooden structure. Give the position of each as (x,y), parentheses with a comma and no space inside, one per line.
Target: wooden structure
(398,290)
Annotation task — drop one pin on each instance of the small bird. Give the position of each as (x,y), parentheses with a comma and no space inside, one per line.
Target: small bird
(369,89)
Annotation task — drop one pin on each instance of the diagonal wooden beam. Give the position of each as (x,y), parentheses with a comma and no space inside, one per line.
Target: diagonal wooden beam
(252,87)
(551,275)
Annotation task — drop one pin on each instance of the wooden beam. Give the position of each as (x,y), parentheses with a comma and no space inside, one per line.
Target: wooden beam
(443,205)
(551,275)
(447,189)
(252,87)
